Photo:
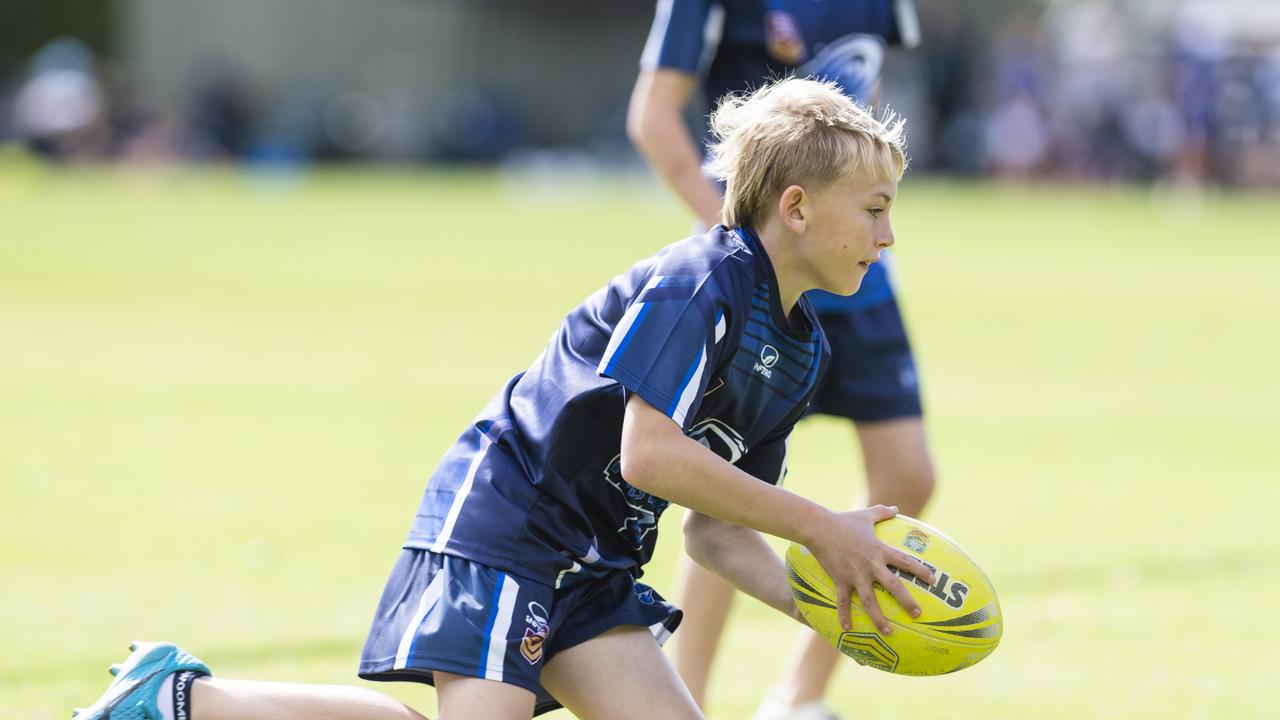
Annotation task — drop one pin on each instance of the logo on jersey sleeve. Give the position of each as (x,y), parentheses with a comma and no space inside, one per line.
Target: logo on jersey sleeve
(535,633)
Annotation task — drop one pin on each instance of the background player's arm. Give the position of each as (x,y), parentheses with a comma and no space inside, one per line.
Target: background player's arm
(655,124)
(658,458)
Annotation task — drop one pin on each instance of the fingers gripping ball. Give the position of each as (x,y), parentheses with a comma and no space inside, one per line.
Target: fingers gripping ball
(960,621)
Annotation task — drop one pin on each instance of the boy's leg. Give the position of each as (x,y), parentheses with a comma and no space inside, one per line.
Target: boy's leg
(620,675)
(899,467)
(899,472)
(221,699)
(706,600)
(161,681)
(459,696)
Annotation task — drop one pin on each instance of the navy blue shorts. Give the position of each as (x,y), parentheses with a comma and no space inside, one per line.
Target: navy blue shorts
(872,373)
(440,612)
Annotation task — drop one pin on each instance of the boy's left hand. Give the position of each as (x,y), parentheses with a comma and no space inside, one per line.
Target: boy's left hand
(854,557)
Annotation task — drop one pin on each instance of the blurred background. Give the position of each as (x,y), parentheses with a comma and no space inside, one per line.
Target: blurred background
(1184,90)
(261,261)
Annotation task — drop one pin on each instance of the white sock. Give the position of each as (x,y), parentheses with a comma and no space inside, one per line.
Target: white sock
(164,700)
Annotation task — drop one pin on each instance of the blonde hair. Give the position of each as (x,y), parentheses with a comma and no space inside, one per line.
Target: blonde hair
(796,132)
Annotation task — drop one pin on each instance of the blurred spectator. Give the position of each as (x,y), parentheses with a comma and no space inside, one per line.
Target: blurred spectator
(475,125)
(61,109)
(1196,53)
(224,116)
(1017,134)
(955,126)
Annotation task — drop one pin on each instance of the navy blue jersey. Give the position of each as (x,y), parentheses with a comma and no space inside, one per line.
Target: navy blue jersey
(737,45)
(533,487)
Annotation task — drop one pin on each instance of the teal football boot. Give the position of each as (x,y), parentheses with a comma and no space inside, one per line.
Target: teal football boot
(132,695)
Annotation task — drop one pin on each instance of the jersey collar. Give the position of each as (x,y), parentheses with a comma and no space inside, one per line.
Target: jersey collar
(765,265)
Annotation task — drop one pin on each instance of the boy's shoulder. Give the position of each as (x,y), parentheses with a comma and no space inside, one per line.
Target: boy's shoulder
(719,253)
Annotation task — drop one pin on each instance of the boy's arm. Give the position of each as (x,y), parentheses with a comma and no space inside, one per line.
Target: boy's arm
(659,459)
(655,124)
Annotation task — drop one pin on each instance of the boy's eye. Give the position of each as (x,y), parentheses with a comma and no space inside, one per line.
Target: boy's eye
(875,212)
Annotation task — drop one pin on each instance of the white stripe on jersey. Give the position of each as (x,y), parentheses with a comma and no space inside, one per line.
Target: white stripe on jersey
(690,390)
(624,327)
(591,558)
(577,567)
(428,601)
(712,31)
(653,46)
(908,22)
(501,624)
(720,327)
(461,496)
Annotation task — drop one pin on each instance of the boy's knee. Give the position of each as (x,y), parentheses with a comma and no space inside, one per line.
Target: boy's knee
(910,488)
(923,483)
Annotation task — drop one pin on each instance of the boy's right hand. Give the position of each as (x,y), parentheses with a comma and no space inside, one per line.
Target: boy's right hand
(848,549)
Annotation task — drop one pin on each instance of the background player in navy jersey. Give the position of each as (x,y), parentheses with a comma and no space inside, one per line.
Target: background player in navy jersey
(678,382)
(732,46)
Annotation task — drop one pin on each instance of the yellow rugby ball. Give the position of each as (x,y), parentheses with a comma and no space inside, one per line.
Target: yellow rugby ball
(960,621)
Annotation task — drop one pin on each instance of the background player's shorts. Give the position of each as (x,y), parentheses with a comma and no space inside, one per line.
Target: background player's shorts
(872,373)
(440,612)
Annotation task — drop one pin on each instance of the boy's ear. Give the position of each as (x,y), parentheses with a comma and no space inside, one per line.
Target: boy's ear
(793,209)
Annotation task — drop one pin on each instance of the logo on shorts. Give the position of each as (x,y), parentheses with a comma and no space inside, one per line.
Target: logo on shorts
(907,373)
(916,541)
(535,634)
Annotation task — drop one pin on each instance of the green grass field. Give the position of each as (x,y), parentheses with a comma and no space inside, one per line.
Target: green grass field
(221,395)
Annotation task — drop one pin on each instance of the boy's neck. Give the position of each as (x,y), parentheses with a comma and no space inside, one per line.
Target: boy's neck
(780,247)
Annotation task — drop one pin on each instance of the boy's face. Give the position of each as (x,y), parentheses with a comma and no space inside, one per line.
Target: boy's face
(847,225)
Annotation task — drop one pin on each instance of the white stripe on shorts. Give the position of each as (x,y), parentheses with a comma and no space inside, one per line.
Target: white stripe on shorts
(660,633)
(429,598)
(501,624)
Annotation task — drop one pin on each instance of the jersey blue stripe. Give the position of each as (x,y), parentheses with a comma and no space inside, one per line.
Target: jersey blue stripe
(631,333)
(684,382)
(494,605)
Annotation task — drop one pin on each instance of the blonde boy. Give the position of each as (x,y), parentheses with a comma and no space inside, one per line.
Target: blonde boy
(678,382)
